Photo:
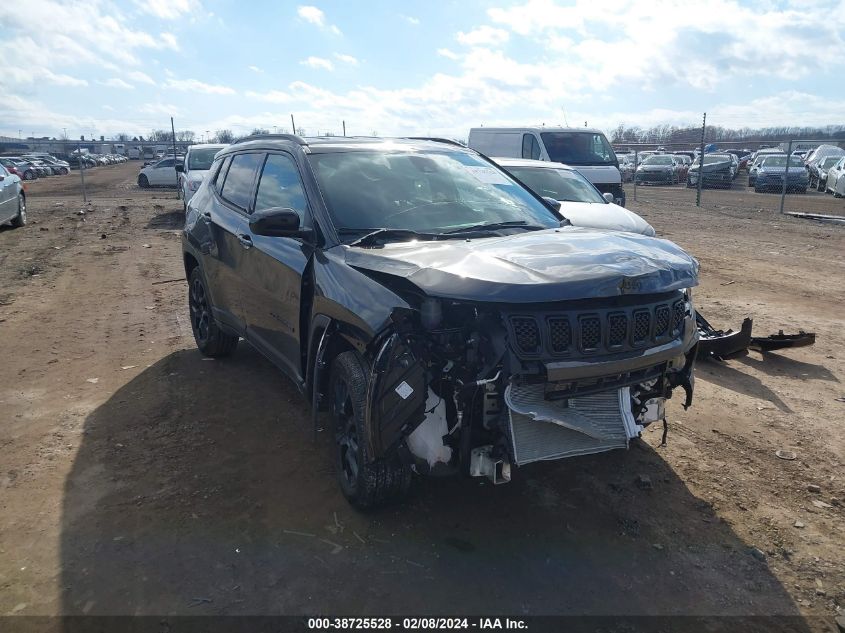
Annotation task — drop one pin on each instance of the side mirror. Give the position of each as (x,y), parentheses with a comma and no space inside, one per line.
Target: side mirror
(552,203)
(277,222)
(180,168)
(608,197)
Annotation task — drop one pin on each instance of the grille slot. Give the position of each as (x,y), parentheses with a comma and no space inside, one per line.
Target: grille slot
(617,329)
(662,317)
(590,333)
(560,333)
(677,316)
(642,326)
(527,334)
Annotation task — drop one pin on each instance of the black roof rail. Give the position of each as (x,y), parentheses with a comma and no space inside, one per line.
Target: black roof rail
(273,137)
(436,139)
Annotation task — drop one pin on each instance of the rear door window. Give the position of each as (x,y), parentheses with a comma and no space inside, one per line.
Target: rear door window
(240,178)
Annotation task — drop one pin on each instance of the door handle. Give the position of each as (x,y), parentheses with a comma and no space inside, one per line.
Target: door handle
(245,240)
(206,215)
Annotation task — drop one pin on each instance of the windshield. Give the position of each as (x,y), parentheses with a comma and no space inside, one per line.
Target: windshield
(201,159)
(560,184)
(658,160)
(711,159)
(430,192)
(780,161)
(830,161)
(578,148)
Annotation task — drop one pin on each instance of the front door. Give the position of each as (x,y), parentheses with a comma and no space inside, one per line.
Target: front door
(271,287)
(163,173)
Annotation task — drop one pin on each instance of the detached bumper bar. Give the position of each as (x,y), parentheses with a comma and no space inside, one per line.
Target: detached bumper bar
(725,344)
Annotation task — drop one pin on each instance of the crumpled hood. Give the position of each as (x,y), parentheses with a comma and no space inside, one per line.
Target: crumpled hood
(604,216)
(538,266)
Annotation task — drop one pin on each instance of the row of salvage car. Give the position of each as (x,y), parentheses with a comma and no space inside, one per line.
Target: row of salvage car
(452,313)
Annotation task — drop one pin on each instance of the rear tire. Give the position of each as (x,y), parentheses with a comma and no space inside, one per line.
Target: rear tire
(211,340)
(143,182)
(365,483)
(28,175)
(65,171)
(20,219)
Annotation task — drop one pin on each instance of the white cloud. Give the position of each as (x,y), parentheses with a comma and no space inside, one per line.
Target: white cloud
(115,82)
(483,36)
(160,109)
(346,59)
(445,52)
(139,77)
(316,16)
(318,62)
(272,96)
(411,20)
(168,9)
(255,69)
(194,85)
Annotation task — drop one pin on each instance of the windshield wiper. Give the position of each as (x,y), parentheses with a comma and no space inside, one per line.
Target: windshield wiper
(492,226)
(374,235)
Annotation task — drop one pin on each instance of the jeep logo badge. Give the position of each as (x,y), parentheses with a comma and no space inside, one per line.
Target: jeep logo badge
(630,285)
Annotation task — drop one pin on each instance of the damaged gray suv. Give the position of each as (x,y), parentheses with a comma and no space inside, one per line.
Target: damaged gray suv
(447,318)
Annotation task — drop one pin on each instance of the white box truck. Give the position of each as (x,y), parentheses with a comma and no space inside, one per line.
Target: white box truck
(585,149)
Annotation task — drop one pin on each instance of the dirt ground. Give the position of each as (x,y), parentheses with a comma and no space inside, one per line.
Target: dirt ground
(137,477)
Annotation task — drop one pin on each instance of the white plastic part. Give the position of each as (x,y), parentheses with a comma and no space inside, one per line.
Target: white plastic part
(482,464)
(426,442)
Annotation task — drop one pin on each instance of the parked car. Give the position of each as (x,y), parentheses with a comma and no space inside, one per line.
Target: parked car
(834,175)
(683,161)
(818,171)
(197,162)
(758,160)
(657,169)
(59,166)
(772,171)
(577,199)
(718,171)
(26,170)
(627,166)
(447,317)
(159,174)
(586,149)
(822,151)
(12,199)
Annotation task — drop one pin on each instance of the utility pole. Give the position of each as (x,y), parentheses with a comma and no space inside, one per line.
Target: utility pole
(82,172)
(344,128)
(173,132)
(785,175)
(292,124)
(701,163)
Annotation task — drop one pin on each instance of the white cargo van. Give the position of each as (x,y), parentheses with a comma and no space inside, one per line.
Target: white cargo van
(585,149)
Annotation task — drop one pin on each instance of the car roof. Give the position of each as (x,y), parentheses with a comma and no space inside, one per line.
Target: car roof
(540,128)
(527,162)
(326,144)
(207,146)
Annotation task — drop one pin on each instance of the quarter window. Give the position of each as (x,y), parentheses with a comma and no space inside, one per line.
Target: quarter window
(240,178)
(280,186)
(221,174)
(530,147)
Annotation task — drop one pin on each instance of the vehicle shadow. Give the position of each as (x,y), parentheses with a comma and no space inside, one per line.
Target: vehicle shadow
(725,375)
(197,489)
(778,364)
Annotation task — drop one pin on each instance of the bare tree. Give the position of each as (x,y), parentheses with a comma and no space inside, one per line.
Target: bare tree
(159,136)
(224,136)
(185,135)
(258,131)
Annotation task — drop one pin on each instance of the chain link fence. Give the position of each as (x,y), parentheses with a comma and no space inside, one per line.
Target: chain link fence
(667,173)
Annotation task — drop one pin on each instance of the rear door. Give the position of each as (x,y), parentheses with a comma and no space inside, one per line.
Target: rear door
(8,196)
(163,173)
(272,269)
(231,197)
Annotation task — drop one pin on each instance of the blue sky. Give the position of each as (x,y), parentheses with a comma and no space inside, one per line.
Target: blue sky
(434,68)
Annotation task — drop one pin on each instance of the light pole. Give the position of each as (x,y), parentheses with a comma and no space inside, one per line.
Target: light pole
(207,137)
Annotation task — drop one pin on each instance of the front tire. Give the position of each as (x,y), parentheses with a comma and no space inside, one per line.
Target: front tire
(211,340)
(143,182)
(20,219)
(65,171)
(364,482)
(29,175)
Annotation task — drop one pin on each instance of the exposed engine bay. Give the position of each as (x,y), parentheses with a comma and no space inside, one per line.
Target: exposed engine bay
(477,388)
